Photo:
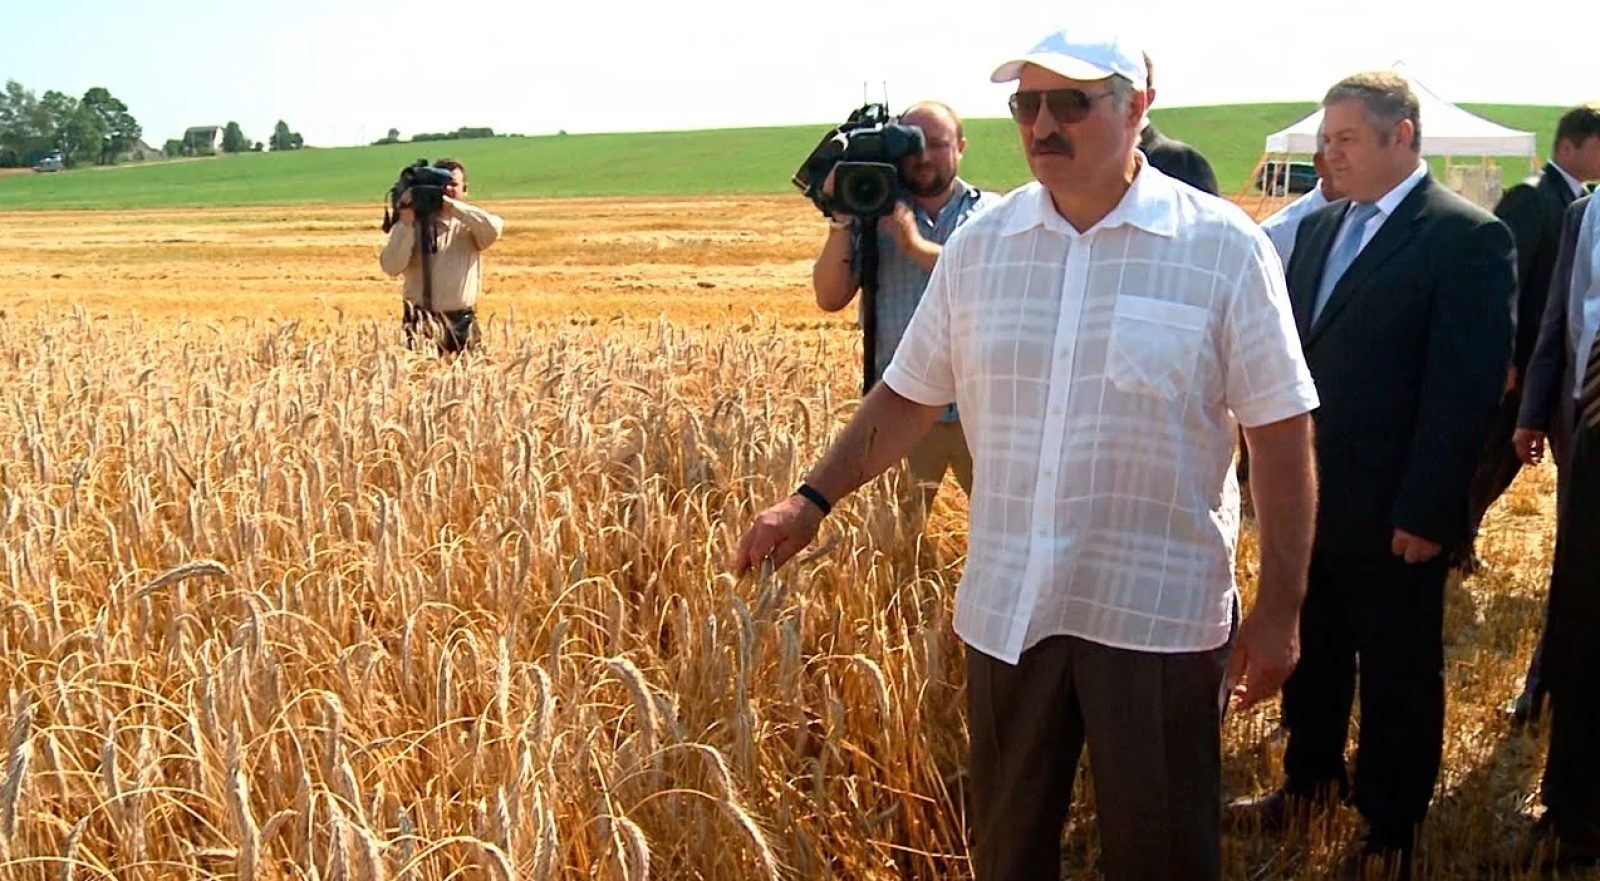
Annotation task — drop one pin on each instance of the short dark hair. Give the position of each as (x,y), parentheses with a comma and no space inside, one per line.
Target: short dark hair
(453,165)
(1579,124)
(1388,100)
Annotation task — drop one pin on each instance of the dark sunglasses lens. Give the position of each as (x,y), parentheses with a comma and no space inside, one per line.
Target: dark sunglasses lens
(1068,105)
(1025,106)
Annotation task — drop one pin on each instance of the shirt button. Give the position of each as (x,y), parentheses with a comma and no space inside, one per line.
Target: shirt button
(1041,533)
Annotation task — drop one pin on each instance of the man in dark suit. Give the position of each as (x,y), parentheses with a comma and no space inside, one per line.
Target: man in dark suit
(1532,209)
(1171,157)
(1404,294)
(1563,395)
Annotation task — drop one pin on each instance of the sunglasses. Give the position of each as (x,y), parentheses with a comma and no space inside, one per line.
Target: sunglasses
(1067,106)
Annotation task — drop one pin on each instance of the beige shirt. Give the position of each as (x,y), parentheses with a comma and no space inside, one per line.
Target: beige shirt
(1102,377)
(457,272)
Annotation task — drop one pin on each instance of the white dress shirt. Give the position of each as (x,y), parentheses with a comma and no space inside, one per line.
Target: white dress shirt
(1577,186)
(1386,205)
(1585,303)
(1283,226)
(1102,377)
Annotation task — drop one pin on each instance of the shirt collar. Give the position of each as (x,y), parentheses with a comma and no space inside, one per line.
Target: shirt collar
(1578,189)
(1392,199)
(964,192)
(1150,204)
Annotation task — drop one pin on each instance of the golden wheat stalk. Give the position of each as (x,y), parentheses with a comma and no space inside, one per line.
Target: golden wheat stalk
(19,750)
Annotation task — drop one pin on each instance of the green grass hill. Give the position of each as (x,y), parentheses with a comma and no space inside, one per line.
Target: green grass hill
(717,161)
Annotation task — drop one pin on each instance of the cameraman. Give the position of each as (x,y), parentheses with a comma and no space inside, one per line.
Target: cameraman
(463,232)
(909,242)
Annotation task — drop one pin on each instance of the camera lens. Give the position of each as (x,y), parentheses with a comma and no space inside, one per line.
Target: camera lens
(865,191)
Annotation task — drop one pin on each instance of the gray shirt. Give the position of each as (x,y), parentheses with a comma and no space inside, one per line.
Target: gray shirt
(901,281)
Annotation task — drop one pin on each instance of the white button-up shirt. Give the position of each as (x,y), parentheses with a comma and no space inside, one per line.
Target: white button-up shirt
(1584,303)
(1101,378)
(1283,227)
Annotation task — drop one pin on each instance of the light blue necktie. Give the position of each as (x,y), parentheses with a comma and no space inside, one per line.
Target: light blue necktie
(1344,252)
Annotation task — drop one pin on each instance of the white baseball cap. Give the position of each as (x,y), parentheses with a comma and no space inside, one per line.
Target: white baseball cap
(1080,54)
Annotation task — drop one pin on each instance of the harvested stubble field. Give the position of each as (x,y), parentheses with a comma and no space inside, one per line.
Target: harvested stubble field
(283,600)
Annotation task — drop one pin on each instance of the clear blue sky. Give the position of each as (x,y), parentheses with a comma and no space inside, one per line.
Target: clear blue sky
(345,71)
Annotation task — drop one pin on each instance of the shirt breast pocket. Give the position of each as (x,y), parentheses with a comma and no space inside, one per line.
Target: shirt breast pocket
(1154,346)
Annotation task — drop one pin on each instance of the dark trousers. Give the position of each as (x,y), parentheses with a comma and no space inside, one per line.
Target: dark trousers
(1153,726)
(1497,464)
(1390,616)
(1559,453)
(1571,788)
(454,331)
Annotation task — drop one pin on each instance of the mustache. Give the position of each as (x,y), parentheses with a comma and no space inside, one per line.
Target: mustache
(1055,142)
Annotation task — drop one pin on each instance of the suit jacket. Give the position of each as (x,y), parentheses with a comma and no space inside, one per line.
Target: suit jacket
(1547,386)
(1177,159)
(1409,356)
(1533,210)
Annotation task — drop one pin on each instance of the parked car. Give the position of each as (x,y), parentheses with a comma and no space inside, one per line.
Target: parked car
(50,162)
(1286,177)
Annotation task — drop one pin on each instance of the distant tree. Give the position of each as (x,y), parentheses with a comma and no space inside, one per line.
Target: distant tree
(77,131)
(172,149)
(233,139)
(109,118)
(25,128)
(257,147)
(285,139)
(463,133)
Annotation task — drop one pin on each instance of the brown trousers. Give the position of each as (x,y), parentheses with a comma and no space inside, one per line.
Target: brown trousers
(1153,726)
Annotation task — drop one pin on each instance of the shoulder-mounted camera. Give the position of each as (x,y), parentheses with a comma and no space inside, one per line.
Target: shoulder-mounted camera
(864,155)
(426,185)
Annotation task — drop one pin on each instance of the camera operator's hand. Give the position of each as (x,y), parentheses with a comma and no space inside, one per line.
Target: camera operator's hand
(840,221)
(903,224)
(407,215)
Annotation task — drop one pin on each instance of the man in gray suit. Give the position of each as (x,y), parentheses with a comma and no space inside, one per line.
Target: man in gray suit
(1570,827)
(1546,417)
(1532,209)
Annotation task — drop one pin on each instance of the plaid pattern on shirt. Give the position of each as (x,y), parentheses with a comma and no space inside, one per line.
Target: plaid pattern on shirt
(1102,377)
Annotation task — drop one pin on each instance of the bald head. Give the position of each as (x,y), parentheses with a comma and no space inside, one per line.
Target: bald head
(940,114)
(932,173)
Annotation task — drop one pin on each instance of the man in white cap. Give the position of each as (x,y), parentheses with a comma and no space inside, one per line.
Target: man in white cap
(1105,330)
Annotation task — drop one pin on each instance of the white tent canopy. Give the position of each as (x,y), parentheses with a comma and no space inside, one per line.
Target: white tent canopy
(1447,130)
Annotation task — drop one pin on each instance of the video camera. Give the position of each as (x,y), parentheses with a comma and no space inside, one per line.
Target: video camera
(426,185)
(864,155)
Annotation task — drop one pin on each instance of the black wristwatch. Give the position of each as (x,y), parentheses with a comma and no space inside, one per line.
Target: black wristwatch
(810,494)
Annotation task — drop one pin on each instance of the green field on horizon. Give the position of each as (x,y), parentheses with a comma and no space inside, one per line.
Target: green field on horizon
(687,163)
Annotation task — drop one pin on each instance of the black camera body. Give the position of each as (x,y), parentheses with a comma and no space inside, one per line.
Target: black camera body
(426,185)
(864,155)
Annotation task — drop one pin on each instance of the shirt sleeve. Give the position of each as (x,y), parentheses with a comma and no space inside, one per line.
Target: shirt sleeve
(485,228)
(400,250)
(1267,379)
(922,369)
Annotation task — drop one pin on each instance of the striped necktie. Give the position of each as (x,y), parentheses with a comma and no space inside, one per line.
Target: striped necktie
(1589,398)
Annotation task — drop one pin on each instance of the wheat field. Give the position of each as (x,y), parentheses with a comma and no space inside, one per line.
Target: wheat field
(283,600)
